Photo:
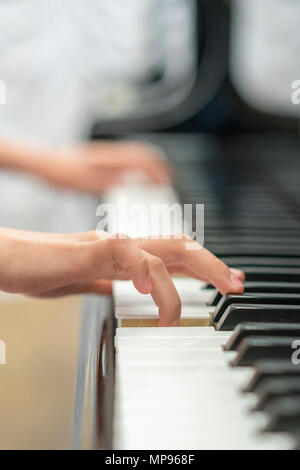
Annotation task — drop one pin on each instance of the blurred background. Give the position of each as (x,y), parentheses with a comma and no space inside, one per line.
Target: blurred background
(99,69)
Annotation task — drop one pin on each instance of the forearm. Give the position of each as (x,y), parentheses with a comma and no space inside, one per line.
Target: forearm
(21,156)
(47,264)
(33,265)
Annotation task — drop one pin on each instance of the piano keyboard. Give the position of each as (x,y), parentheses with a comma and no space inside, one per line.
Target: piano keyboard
(176,390)
(135,309)
(226,380)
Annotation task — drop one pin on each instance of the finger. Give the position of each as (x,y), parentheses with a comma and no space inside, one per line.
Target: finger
(238,274)
(164,293)
(129,258)
(149,275)
(97,180)
(215,271)
(157,156)
(198,263)
(136,156)
(156,170)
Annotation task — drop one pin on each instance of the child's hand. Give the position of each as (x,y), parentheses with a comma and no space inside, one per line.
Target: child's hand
(54,264)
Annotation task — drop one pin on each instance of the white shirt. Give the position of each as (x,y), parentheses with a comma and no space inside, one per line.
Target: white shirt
(61,59)
(265,59)
(66,63)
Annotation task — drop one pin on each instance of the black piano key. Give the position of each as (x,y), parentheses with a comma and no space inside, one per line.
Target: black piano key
(284,415)
(215,298)
(263,287)
(280,233)
(256,348)
(236,314)
(221,250)
(225,224)
(246,329)
(243,262)
(254,298)
(272,287)
(271,389)
(254,239)
(267,369)
(272,274)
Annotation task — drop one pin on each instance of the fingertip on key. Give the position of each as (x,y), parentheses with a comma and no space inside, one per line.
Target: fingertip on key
(237,284)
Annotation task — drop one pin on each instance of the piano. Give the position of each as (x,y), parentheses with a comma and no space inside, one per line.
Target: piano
(229,377)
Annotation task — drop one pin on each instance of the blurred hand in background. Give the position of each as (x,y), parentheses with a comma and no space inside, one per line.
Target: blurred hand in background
(94,166)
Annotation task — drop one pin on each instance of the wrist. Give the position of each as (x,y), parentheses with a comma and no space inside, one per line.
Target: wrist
(95,259)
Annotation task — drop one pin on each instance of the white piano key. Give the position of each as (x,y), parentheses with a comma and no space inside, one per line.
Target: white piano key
(195,331)
(134,407)
(189,290)
(151,311)
(182,284)
(241,440)
(207,372)
(174,418)
(199,403)
(165,343)
(161,356)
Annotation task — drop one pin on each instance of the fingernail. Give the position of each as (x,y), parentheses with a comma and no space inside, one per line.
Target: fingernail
(148,284)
